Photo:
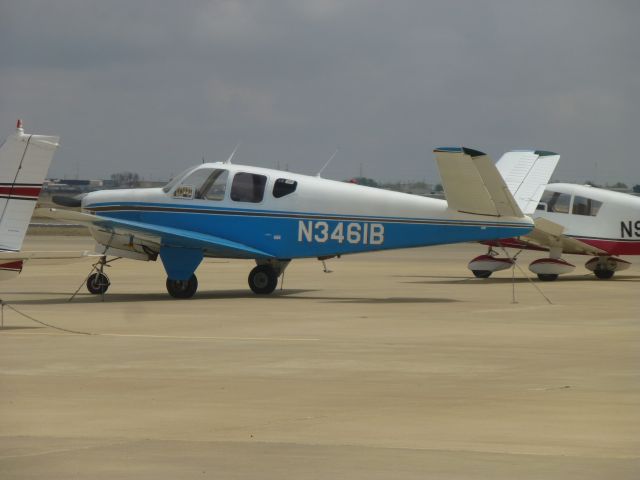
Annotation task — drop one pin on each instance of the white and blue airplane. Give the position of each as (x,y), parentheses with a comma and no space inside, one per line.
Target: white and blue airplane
(226,210)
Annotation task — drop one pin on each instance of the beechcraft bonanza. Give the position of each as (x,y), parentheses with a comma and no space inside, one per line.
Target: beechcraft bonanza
(24,161)
(569,219)
(226,210)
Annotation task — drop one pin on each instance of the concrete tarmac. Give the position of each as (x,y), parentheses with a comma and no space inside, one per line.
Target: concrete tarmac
(396,365)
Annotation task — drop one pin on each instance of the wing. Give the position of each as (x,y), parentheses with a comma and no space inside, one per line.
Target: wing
(159,236)
(527,173)
(472,183)
(11,263)
(550,234)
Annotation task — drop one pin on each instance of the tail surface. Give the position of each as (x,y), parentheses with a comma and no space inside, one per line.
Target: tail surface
(24,162)
(472,183)
(527,173)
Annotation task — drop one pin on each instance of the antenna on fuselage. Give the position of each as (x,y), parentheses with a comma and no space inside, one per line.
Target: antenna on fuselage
(327,164)
(228,160)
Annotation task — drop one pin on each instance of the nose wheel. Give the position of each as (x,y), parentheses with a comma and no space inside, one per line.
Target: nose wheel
(98,283)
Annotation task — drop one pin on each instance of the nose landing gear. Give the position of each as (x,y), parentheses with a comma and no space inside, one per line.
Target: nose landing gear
(98,282)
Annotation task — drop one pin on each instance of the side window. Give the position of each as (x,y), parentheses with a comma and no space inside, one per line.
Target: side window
(556,202)
(595,207)
(216,185)
(191,187)
(586,206)
(284,186)
(580,206)
(248,187)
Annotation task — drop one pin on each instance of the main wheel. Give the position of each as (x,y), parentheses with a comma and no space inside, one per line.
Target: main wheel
(98,283)
(263,280)
(182,288)
(603,274)
(547,277)
(482,273)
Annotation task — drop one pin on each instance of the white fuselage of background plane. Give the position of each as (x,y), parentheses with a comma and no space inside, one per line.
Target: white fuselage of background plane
(615,228)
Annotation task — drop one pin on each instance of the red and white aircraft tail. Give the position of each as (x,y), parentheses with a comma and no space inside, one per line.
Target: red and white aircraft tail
(24,162)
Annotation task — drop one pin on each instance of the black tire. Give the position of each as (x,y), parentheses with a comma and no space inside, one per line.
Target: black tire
(482,273)
(182,288)
(603,274)
(263,280)
(98,283)
(547,277)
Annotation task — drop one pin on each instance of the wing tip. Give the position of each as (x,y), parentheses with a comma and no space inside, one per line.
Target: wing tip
(467,151)
(545,153)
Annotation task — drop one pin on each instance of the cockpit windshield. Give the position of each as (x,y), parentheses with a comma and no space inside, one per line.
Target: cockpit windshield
(175,179)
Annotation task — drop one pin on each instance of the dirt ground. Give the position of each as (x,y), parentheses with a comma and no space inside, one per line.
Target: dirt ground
(396,365)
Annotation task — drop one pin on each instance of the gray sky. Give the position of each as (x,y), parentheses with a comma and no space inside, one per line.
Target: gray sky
(151,86)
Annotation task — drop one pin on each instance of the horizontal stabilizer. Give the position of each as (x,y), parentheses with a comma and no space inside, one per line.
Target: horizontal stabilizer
(549,234)
(472,183)
(527,173)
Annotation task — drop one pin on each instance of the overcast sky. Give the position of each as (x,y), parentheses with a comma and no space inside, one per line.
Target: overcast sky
(152,86)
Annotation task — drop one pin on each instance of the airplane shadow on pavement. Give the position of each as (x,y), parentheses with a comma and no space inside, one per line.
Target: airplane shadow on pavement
(286,294)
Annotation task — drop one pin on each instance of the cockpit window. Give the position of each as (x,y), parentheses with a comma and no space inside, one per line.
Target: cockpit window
(191,187)
(555,201)
(585,206)
(248,187)
(284,186)
(175,179)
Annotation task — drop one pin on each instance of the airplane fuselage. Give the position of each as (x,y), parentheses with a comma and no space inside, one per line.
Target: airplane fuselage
(284,215)
(601,218)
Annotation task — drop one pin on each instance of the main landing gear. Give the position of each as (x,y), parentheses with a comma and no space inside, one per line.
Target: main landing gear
(182,288)
(604,267)
(263,279)
(484,265)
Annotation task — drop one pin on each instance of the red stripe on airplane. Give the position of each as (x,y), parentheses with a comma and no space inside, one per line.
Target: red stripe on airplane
(21,191)
(613,247)
(17,265)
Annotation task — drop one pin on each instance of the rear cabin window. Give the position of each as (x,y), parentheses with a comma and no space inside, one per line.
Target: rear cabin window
(585,206)
(555,202)
(248,187)
(284,186)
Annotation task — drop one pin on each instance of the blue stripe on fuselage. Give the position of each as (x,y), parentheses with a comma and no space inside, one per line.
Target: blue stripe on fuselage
(310,235)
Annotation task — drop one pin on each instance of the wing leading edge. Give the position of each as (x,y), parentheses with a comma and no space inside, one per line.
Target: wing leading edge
(161,235)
